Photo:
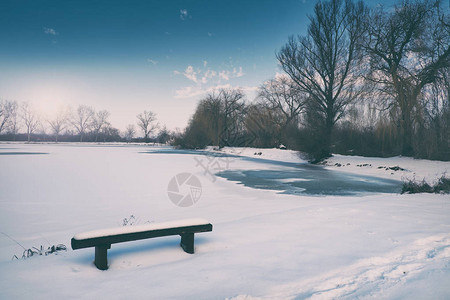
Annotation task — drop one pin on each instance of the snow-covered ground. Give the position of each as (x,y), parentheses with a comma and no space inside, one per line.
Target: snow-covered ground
(263,244)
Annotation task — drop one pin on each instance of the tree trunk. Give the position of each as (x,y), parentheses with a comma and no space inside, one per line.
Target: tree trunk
(407,125)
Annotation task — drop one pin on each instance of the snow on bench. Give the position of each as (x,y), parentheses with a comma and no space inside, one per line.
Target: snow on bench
(102,239)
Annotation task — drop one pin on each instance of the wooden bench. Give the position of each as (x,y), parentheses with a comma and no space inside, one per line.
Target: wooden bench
(102,239)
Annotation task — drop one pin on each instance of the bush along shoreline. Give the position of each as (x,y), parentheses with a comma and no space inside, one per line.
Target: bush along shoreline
(442,186)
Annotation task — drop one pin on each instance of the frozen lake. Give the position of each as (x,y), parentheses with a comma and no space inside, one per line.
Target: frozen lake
(296,178)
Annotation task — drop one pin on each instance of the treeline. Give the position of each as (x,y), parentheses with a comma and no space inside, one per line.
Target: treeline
(20,122)
(363,81)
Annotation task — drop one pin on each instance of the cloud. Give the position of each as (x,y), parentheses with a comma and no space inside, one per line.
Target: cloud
(281,76)
(154,62)
(184,15)
(238,73)
(210,74)
(190,74)
(225,75)
(205,78)
(196,91)
(205,74)
(50,31)
(188,92)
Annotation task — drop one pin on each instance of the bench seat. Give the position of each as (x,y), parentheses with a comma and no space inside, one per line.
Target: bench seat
(103,239)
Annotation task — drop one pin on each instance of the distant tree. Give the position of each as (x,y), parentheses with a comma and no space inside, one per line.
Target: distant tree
(232,105)
(164,136)
(100,121)
(30,119)
(13,121)
(433,140)
(282,96)
(282,93)
(209,115)
(325,63)
(262,123)
(218,120)
(146,122)
(59,123)
(6,111)
(110,134)
(408,47)
(82,120)
(130,131)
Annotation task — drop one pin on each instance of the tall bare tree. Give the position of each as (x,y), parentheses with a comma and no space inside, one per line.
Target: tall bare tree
(408,46)
(30,119)
(82,119)
(146,122)
(325,63)
(100,121)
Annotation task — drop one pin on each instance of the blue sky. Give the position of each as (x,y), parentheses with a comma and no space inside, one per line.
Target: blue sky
(130,56)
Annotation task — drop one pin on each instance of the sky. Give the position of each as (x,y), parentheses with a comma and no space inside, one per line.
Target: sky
(131,56)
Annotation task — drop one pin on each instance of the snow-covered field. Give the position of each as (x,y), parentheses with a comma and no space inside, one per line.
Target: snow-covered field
(263,244)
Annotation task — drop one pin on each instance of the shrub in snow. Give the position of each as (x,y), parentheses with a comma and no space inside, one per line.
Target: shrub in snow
(442,186)
(36,251)
(27,253)
(414,187)
(129,221)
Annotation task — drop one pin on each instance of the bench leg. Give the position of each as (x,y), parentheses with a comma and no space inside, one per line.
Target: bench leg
(101,257)
(187,242)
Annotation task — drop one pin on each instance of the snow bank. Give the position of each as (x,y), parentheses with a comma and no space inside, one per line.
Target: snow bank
(408,168)
(262,153)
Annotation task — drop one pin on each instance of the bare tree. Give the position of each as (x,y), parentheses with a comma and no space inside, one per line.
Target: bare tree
(99,121)
(13,121)
(209,116)
(325,63)
(110,133)
(82,120)
(30,119)
(130,131)
(232,101)
(146,122)
(408,46)
(218,120)
(283,97)
(283,94)
(7,109)
(262,122)
(59,123)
